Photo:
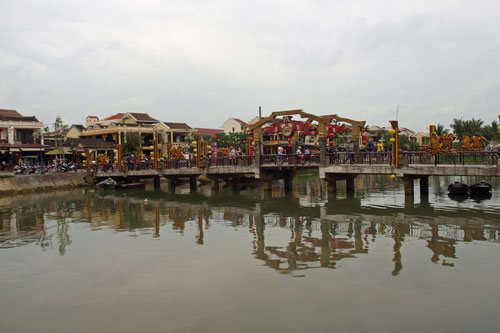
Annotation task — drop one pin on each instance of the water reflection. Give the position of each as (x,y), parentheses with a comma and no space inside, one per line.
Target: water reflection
(308,231)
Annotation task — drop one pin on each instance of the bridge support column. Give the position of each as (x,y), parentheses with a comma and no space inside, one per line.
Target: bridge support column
(171,184)
(288,181)
(156,182)
(236,182)
(331,184)
(408,185)
(349,185)
(193,183)
(424,188)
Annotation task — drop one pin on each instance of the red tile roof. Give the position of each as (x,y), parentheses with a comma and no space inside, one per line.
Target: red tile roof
(241,121)
(115,116)
(93,117)
(209,131)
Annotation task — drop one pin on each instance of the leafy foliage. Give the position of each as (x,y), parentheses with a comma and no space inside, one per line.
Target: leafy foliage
(440,130)
(131,143)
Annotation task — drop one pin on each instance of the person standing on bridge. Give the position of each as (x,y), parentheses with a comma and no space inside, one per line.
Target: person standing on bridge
(348,151)
(299,155)
(307,152)
(380,149)
(371,146)
(233,155)
(280,154)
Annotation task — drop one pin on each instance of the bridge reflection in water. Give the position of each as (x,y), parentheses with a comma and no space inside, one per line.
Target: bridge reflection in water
(320,233)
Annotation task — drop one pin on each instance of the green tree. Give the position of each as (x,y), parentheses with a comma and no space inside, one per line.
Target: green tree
(60,131)
(467,127)
(491,133)
(440,130)
(132,142)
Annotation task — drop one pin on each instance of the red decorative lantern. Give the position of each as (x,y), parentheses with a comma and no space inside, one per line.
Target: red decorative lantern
(289,140)
(364,136)
(215,136)
(330,135)
(331,143)
(363,130)
(290,146)
(252,147)
(364,142)
(251,139)
(251,133)
(330,128)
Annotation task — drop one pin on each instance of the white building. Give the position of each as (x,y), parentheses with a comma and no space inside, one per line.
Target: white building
(234,125)
(18,134)
(91,120)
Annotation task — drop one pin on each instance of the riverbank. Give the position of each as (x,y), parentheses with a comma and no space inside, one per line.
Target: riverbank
(31,183)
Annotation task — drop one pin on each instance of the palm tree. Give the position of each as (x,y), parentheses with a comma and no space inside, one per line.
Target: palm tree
(490,132)
(440,130)
(473,127)
(458,127)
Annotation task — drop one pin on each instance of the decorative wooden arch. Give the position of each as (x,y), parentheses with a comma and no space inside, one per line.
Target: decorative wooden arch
(323,122)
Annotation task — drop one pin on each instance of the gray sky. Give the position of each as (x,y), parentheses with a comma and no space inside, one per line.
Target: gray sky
(202,62)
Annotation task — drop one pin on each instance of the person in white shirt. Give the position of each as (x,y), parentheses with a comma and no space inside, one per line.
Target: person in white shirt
(299,155)
(280,152)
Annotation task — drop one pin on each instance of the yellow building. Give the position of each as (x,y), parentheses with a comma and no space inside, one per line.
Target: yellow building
(114,129)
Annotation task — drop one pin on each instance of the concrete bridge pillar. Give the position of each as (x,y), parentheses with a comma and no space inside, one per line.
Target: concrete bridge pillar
(349,185)
(424,188)
(331,185)
(288,180)
(409,194)
(193,183)
(156,182)
(236,182)
(171,184)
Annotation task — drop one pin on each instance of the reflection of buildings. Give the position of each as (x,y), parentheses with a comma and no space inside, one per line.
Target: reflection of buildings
(314,239)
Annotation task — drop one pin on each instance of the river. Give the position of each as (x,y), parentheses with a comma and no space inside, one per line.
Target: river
(86,260)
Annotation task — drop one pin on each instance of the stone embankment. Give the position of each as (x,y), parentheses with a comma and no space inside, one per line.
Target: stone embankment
(30,183)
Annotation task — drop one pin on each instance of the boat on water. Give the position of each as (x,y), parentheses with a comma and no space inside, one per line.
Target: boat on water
(108,183)
(458,188)
(481,188)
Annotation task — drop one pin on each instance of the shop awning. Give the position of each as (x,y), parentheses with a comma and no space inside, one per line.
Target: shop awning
(59,151)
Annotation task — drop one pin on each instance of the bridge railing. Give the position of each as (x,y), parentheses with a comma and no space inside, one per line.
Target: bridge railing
(359,158)
(460,158)
(240,160)
(188,163)
(290,159)
(408,158)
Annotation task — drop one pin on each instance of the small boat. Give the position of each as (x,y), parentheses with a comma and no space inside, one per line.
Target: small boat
(129,186)
(481,188)
(458,188)
(108,183)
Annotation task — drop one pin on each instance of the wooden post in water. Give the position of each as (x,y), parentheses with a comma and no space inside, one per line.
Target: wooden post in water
(198,154)
(155,154)
(88,158)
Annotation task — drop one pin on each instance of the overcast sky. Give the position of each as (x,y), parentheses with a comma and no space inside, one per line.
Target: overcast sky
(202,62)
